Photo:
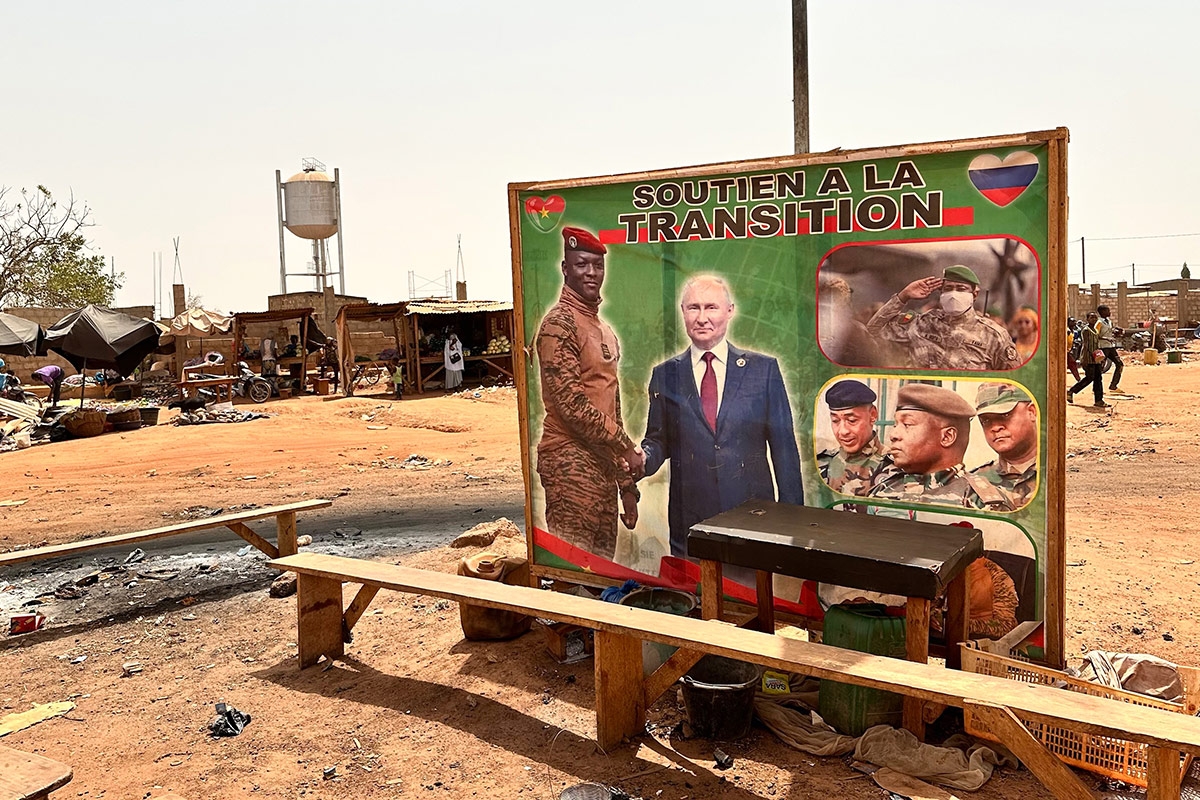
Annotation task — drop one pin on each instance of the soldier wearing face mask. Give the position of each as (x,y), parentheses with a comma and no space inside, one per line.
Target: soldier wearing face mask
(954,336)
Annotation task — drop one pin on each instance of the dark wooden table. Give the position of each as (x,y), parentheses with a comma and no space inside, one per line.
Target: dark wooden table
(918,560)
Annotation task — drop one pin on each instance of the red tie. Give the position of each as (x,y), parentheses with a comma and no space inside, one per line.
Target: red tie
(708,391)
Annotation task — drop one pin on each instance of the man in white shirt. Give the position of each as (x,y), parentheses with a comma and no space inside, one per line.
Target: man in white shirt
(715,409)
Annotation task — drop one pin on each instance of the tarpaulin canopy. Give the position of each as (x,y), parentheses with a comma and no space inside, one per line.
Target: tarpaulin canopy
(20,337)
(101,338)
(199,322)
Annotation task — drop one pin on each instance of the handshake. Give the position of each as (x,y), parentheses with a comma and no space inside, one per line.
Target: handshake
(633,461)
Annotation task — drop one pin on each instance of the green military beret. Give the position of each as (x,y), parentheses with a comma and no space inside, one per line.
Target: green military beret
(999,398)
(960,273)
(935,400)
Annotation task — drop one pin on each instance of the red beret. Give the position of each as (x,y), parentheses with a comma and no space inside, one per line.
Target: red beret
(579,239)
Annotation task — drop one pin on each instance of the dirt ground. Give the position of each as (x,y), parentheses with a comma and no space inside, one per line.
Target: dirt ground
(416,710)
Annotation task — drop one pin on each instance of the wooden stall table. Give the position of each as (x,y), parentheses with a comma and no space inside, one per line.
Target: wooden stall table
(218,385)
(917,560)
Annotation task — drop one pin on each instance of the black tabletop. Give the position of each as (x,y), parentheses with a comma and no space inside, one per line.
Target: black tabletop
(860,551)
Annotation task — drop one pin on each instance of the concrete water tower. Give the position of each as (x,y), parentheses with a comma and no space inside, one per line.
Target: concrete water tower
(310,206)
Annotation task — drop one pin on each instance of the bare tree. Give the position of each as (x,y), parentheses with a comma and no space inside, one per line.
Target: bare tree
(44,255)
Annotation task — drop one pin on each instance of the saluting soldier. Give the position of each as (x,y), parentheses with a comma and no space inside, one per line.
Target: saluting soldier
(954,336)
(853,467)
(1009,420)
(927,445)
(584,450)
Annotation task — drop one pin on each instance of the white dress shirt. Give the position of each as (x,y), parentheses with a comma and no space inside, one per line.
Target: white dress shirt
(721,352)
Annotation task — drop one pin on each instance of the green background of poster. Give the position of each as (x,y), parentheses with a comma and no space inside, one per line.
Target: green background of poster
(774,281)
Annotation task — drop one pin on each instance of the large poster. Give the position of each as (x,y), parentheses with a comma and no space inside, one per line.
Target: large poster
(863,331)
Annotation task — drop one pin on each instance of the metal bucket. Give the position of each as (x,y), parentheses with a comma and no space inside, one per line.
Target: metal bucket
(1174,356)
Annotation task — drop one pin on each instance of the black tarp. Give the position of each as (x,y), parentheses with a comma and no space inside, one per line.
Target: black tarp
(20,337)
(101,338)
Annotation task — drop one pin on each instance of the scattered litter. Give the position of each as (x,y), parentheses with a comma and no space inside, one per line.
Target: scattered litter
(206,416)
(26,623)
(158,574)
(341,533)
(130,668)
(134,557)
(723,759)
(68,591)
(12,503)
(229,721)
(303,541)
(244,550)
(249,478)
(189,617)
(416,461)
(377,427)
(586,791)
(79,659)
(12,723)
(330,772)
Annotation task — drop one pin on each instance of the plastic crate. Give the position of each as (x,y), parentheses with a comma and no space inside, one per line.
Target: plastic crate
(1113,758)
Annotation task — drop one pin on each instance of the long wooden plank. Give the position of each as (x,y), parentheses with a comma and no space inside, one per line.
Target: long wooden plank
(1054,774)
(1040,703)
(191,526)
(27,776)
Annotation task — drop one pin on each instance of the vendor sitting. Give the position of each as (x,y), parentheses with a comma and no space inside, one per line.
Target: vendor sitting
(292,350)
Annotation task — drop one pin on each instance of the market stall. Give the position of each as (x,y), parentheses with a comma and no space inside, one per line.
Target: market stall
(485,328)
(373,364)
(309,334)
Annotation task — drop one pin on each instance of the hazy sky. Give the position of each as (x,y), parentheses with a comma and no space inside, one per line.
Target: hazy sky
(170,119)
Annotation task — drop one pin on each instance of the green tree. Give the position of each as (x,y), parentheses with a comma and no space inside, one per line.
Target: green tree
(45,259)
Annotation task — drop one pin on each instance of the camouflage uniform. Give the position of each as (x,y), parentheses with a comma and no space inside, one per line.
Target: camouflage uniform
(949,487)
(1014,482)
(936,340)
(853,474)
(582,435)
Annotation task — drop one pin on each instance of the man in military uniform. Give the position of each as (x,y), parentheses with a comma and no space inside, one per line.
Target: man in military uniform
(585,458)
(1009,420)
(853,467)
(927,445)
(954,336)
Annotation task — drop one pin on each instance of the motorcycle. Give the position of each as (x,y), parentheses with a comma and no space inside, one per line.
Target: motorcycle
(250,385)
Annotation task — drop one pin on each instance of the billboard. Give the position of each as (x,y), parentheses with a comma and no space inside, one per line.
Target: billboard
(874,331)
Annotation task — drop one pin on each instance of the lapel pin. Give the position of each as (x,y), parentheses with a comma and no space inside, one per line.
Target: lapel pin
(741,362)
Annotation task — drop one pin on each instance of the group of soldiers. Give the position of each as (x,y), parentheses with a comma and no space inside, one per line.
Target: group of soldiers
(922,461)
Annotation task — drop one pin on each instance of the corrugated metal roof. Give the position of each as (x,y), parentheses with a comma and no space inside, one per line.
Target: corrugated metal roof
(457,306)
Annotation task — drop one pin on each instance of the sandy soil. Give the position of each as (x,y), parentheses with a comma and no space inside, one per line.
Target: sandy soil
(414,708)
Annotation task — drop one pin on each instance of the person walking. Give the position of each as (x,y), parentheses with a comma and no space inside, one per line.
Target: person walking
(1108,334)
(1091,358)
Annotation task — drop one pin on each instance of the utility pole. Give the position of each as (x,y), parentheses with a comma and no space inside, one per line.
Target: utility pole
(800,73)
(1133,274)
(1083,252)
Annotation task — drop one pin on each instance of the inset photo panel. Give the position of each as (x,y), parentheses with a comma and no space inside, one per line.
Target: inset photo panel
(966,443)
(954,304)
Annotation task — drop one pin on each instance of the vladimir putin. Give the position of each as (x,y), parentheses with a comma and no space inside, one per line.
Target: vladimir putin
(716,411)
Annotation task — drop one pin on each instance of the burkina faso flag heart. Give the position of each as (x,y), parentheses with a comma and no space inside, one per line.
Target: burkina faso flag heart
(545,212)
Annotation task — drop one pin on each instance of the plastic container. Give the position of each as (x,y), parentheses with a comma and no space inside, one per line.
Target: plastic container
(718,694)
(864,628)
(1149,356)
(669,601)
(150,415)
(1174,356)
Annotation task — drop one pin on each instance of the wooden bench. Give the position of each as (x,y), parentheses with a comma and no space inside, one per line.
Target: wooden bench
(27,776)
(623,694)
(285,522)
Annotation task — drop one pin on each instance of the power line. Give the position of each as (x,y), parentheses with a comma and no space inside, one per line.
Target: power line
(1129,238)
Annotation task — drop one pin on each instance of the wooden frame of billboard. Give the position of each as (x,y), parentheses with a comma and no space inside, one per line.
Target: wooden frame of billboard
(1054,267)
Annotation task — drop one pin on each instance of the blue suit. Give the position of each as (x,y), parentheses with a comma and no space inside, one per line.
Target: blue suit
(714,471)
